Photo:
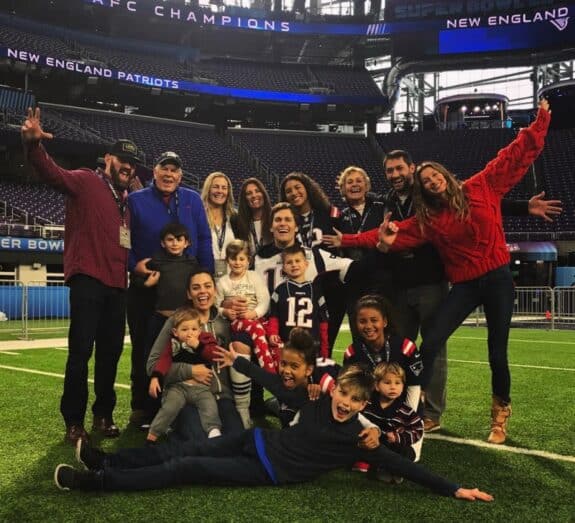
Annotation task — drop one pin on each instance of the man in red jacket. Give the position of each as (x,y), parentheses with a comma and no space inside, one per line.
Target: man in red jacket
(97,241)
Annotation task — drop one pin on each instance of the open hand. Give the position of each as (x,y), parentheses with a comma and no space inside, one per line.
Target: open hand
(225,357)
(31,130)
(472,494)
(545,209)
(332,240)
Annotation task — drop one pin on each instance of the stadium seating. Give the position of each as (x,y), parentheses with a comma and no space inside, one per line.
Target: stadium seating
(320,155)
(40,201)
(267,76)
(465,152)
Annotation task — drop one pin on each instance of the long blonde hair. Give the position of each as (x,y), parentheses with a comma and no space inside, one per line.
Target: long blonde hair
(426,204)
(229,206)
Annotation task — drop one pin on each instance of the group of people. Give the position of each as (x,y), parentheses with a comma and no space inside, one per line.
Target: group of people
(223,302)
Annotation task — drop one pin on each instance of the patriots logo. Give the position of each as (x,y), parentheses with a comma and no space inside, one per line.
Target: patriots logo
(417,368)
(560,23)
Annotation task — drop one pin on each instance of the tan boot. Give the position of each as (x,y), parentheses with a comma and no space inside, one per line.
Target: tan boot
(500,413)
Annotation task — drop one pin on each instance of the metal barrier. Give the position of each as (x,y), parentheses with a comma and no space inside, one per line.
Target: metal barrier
(564,313)
(36,307)
(11,308)
(43,307)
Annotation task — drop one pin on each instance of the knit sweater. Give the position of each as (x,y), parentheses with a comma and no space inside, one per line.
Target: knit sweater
(472,247)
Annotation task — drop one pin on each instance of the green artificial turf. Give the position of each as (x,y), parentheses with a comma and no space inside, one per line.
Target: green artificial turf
(526,487)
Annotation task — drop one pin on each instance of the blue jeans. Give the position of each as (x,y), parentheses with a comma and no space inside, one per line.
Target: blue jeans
(493,290)
(228,460)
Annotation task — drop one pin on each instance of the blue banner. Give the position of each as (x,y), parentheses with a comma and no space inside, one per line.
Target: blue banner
(101,71)
(10,243)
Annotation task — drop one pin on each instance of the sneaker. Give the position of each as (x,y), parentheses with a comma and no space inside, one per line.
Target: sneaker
(91,458)
(105,426)
(68,478)
(430,425)
(75,432)
(360,466)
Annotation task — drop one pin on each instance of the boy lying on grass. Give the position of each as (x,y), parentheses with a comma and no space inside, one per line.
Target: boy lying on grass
(326,436)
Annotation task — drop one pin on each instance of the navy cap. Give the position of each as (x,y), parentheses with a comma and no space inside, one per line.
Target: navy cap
(169,157)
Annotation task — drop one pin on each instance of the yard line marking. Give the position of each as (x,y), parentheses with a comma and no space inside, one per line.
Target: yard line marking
(543,367)
(514,339)
(502,448)
(10,353)
(476,362)
(451,439)
(53,375)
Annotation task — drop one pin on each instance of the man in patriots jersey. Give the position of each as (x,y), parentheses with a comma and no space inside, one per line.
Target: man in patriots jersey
(298,302)
(268,261)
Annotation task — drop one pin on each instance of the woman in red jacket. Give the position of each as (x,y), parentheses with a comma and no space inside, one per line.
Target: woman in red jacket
(463,221)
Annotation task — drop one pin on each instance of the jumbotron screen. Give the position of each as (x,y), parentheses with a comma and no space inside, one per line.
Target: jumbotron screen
(432,28)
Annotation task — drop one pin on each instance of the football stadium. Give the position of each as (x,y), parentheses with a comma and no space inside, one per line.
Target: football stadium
(325,247)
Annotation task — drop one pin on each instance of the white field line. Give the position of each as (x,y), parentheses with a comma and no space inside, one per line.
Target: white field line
(460,441)
(345,328)
(474,362)
(539,367)
(502,448)
(10,353)
(512,340)
(52,374)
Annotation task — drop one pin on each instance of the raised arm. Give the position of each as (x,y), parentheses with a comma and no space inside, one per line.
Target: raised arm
(512,162)
(32,134)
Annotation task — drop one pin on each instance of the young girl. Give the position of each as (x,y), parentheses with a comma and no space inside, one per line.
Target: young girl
(240,283)
(298,378)
(401,427)
(379,343)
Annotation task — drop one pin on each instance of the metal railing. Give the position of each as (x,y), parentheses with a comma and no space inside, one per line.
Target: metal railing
(34,308)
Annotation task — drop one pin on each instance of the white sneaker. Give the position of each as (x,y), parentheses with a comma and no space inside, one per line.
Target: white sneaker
(214,433)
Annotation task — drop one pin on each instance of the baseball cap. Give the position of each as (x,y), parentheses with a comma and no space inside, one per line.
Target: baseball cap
(126,150)
(169,157)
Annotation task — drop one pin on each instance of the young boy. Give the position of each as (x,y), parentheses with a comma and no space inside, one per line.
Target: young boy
(401,427)
(188,345)
(297,302)
(171,269)
(326,436)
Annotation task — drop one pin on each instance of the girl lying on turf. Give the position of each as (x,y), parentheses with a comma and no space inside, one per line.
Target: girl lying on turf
(327,436)
(299,378)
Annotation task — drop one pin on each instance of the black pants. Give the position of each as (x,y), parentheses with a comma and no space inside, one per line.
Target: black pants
(141,302)
(228,460)
(97,316)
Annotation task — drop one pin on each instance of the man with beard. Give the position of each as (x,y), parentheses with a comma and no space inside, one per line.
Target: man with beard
(164,201)
(97,241)
(418,275)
